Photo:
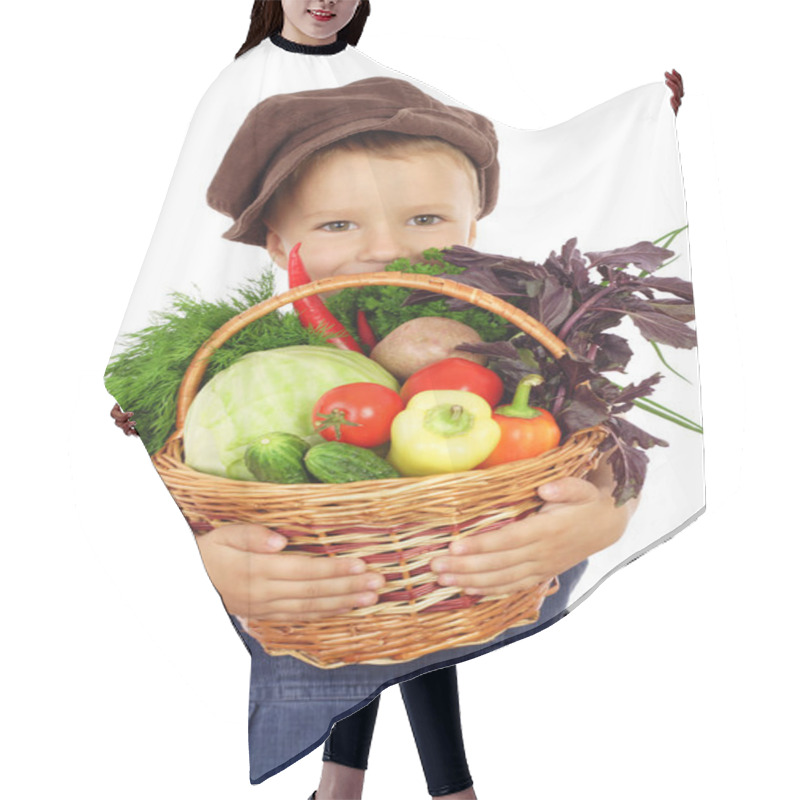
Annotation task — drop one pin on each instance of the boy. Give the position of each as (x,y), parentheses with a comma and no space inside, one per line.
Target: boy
(362,175)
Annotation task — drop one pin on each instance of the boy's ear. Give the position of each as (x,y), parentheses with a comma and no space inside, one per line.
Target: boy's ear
(277,251)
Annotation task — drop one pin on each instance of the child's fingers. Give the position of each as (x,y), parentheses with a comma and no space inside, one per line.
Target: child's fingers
(447,566)
(248,537)
(506,581)
(255,580)
(299,609)
(298,588)
(304,568)
(255,592)
(568,490)
(492,570)
(510,538)
(297,584)
(257,539)
(509,578)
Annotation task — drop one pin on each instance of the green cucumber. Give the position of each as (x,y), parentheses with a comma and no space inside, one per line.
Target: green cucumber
(338,462)
(278,458)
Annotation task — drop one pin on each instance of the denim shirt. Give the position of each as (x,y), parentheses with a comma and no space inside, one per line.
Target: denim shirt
(294,705)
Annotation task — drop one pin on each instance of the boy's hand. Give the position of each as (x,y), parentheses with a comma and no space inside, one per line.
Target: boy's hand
(578,518)
(257,581)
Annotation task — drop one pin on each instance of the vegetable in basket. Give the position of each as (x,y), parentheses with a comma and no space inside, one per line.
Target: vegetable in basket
(419,342)
(441,432)
(357,413)
(274,390)
(338,462)
(525,431)
(457,374)
(312,310)
(278,458)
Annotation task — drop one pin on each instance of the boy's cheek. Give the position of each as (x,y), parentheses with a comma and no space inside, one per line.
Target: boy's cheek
(323,260)
(314,270)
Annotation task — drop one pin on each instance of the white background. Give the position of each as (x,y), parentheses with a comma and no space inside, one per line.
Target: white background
(121,675)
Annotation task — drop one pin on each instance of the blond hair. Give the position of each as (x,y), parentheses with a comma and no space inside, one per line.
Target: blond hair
(384,144)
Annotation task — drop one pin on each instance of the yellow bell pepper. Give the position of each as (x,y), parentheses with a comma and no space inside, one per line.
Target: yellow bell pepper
(442,431)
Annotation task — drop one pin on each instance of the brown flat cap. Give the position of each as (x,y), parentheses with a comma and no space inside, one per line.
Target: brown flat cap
(286,128)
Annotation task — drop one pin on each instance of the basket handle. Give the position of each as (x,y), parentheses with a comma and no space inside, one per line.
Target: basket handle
(410,280)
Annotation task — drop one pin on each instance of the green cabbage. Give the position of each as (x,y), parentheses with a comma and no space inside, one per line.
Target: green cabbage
(270,390)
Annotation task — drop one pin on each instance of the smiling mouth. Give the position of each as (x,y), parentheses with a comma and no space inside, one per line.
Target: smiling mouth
(323,16)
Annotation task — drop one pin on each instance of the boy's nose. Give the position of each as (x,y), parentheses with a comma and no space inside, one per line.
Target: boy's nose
(382,246)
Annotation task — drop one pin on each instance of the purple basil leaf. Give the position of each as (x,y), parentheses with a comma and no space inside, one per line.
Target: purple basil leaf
(624,399)
(584,412)
(605,390)
(658,327)
(613,352)
(568,268)
(628,459)
(595,320)
(677,286)
(576,370)
(652,324)
(461,256)
(634,436)
(581,343)
(488,281)
(555,304)
(520,271)
(644,255)
(568,250)
(680,310)
(629,467)
(570,264)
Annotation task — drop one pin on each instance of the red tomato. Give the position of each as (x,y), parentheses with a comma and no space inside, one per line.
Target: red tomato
(523,438)
(357,413)
(460,374)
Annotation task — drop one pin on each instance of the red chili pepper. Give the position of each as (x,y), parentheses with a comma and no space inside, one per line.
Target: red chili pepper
(313,313)
(364,330)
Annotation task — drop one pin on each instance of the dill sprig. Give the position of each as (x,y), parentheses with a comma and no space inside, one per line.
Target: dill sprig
(145,376)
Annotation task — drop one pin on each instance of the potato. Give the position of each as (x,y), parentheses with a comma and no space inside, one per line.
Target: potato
(422,341)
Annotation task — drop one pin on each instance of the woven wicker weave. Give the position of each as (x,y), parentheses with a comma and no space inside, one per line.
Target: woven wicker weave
(397,526)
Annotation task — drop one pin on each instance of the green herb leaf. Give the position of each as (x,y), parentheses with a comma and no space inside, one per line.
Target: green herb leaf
(388,307)
(145,377)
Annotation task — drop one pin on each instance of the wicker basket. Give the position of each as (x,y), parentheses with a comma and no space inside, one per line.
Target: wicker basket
(396,526)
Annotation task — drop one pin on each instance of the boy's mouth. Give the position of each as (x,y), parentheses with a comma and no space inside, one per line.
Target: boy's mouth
(323,16)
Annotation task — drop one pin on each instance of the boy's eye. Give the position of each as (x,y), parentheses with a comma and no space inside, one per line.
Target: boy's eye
(425,219)
(338,225)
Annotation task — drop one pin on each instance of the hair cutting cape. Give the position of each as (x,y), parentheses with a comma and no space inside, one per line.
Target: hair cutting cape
(585,223)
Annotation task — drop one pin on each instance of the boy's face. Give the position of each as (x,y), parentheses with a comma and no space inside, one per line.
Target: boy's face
(356,212)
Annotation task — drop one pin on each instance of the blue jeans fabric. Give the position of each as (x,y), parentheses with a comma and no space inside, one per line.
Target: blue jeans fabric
(293,705)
